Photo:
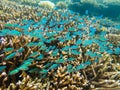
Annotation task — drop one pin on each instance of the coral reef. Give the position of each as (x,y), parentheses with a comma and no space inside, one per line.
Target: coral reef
(98,7)
(111,2)
(27,2)
(68,81)
(46,4)
(114,39)
(89,1)
(72,51)
(28,83)
(61,5)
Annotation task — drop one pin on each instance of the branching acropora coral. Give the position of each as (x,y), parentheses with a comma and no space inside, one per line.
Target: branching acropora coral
(59,45)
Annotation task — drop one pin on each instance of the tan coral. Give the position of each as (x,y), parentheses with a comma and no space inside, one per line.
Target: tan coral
(114,38)
(29,83)
(46,4)
(61,5)
(62,79)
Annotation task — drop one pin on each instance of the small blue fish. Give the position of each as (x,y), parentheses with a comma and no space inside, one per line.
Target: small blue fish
(4,32)
(110,45)
(51,24)
(34,54)
(2,68)
(102,38)
(69,66)
(109,51)
(117,27)
(100,17)
(78,33)
(43,47)
(24,67)
(53,66)
(47,50)
(117,50)
(80,26)
(92,31)
(29,22)
(15,71)
(66,48)
(36,25)
(55,52)
(103,48)
(48,40)
(78,42)
(31,44)
(33,70)
(53,47)
(72,70)
(48,65)
(11,25)
(39,14)
(81,20)
(96,60)
(14,33)
(26,63)
(86,12)
(71,59)
(28,60)
(74,47)
(8,49)
(44,71)
(43,20)
(75,52)
(10,56)
(91,54)
(81,66)
(87,42)
(103,33)
(25,28)
(61,60)
(20,50)
(71,29)
(62,39)
(40,57)
(87,63)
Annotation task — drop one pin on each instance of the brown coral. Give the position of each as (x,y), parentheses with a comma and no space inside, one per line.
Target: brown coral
(63,80)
